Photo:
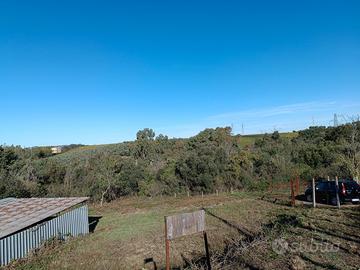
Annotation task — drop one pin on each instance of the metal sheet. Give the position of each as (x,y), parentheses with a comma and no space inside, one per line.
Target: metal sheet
(18,245)
(6,200)
(185,224)
(18,214)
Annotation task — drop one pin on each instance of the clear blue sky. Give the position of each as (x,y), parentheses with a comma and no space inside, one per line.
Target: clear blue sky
(97,71)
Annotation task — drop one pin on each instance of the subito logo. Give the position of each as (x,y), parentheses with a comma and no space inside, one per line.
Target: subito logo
(280,246)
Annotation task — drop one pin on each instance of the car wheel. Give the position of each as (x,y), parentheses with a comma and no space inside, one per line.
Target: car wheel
(333,201)
(309,198)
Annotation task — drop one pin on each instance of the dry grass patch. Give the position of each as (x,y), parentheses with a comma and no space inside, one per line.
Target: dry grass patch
(241,230)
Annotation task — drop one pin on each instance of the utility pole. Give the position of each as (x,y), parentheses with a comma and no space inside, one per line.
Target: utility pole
(336,121)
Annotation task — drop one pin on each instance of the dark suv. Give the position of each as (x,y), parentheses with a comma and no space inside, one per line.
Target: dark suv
(325,192)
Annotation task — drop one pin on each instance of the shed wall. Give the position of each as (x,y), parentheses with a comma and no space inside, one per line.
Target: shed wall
(18,245)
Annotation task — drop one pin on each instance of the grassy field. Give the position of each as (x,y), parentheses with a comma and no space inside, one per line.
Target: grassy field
(245,230)
(87,151)
(248,140)
(83,152)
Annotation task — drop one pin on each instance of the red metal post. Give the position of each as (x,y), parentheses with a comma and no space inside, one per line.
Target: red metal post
(292,192)
(297,186)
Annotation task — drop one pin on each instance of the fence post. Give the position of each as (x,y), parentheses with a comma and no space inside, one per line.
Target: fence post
(188,194)
(202,194)
(207,251)
(217,193)
(297,186)
(167,248)
(313,193)
(337,192)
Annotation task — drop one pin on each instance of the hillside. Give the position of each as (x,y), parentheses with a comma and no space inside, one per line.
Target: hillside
(214,159)
(83,152)
(87,151)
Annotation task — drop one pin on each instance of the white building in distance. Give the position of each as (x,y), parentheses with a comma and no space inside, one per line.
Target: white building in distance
(56,149)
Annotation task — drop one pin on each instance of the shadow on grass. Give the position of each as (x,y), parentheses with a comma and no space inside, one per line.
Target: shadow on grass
(150,261)
(232,254)
(329,233)
(235,254)
(354,215)
(241,229)
(93,222)
(270,198)
(318,264)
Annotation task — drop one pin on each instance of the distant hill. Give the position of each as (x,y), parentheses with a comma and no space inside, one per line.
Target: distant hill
(151,165)
(82,152)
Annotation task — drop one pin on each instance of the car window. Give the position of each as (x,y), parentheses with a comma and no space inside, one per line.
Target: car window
(351,185)
(322,186)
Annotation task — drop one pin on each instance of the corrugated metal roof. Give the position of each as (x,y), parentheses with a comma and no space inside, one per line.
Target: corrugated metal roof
(6,200)
(17,214)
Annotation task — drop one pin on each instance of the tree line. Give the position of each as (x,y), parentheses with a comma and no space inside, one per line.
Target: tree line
(214,159)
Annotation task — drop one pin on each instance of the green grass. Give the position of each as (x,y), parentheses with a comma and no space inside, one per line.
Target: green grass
(126,226)
(132,229)
(248,140)
(83,152)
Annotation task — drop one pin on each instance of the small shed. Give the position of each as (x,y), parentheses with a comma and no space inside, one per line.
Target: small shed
(27,223)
